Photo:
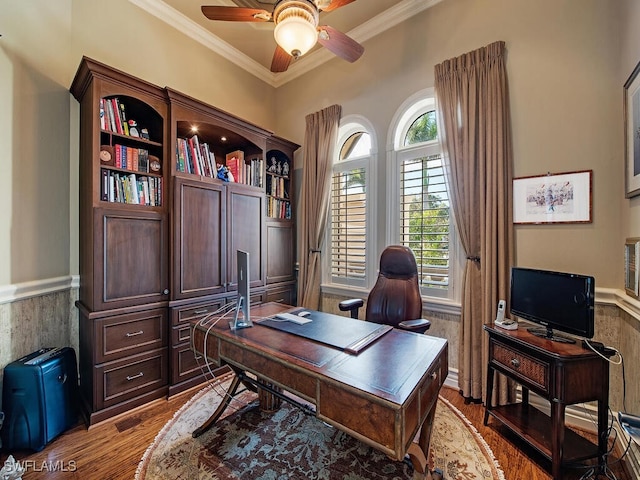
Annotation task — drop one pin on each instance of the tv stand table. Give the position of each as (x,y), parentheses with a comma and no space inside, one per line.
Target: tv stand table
(563,374)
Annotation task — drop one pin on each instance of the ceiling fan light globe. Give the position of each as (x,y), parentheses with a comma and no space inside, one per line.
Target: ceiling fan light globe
(295,34)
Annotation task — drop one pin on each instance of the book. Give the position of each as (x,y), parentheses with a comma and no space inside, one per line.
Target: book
(123,120)
(105,185)
(111,125)
(235,163)
(116,115)
(194,155)
(103,117)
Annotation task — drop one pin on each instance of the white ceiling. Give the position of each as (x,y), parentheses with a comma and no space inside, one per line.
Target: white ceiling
(251,45)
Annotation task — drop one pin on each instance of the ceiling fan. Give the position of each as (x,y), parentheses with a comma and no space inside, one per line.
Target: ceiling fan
(296,27)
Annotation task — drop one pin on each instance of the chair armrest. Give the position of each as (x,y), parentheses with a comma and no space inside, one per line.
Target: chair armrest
(419,325)
(352,305)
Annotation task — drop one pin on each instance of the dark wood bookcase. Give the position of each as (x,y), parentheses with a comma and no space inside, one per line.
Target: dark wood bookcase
(158,238)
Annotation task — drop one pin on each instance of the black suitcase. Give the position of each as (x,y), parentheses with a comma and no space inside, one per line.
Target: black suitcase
(39,398)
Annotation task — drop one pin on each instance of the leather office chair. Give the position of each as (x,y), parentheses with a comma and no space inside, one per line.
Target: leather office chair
(395,298)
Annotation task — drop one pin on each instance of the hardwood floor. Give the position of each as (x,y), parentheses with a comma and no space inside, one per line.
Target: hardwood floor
(111,450)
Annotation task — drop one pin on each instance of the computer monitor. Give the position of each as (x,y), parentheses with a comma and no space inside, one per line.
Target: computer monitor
(242,317)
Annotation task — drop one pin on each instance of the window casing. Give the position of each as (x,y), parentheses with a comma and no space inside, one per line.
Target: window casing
(420,199)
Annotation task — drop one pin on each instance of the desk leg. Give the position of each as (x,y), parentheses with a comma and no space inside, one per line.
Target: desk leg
(233,388)
(268,401)
(557,440)
(418,451)
(487,405)
(603,429)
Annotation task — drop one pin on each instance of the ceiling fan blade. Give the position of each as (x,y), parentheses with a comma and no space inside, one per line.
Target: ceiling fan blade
(339,43)
(336,4)
(281,60)
(236,14)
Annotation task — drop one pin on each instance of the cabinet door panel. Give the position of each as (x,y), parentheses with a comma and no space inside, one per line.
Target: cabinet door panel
(280,252)
(199,238)
(246,232)
(132,251)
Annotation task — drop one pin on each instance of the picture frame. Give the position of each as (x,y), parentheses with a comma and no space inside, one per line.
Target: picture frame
(632,267)
(553,198)
(632,133)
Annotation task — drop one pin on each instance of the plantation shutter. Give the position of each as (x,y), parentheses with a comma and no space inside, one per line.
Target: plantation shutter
(348,224)
(424,222)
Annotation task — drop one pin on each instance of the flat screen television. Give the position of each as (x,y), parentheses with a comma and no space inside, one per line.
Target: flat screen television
(557,301)
(242,317)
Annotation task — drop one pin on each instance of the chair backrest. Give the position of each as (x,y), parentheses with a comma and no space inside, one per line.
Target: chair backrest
(396,295)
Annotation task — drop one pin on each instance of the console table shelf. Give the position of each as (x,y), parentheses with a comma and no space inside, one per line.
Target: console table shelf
(564,374)
(536,427)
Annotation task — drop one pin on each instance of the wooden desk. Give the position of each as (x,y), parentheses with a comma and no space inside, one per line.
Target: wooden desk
(382,396)
(562,373)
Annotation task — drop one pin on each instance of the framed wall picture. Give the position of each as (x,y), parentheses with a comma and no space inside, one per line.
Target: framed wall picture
(553,198)
(632,133)
(632,267)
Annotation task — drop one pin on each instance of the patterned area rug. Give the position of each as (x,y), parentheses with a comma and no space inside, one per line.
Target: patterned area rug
(251,445)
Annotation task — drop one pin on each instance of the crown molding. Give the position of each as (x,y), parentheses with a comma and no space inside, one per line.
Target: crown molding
(387,19)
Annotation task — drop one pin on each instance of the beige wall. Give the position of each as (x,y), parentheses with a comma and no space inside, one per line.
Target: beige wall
(567,61)
(563,59)
(564,72)
(41,46)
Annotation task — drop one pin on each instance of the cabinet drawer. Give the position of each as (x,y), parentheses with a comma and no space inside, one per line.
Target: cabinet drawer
(129,334)
(285,294)
(130,377)
(531,371)
(184,364)
(180,334)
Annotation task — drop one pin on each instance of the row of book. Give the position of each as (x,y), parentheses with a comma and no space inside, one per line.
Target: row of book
(248,172)
(113,118)
(277,187)
(129,158)
(194,156)
(277,208)
(131,188)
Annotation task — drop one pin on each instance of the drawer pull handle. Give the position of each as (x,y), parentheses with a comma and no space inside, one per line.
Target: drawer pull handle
(515,362)
(135,334)
(133,377)
(200,312)
(434,375)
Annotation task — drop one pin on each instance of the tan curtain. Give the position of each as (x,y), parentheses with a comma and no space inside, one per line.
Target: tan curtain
(473,108)
(320,140)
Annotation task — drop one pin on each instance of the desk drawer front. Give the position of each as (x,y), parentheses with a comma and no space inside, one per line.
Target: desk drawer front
(527,368)
(276,372)
(376,424)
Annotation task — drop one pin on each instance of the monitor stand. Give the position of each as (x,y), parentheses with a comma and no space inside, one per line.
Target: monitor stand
(549,335)
(238,323)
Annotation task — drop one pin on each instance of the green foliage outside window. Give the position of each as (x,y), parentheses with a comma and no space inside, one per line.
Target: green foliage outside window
(423,129)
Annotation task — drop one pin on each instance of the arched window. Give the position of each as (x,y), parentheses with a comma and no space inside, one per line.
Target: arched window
(349,217)
(423,219)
